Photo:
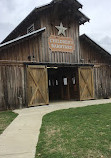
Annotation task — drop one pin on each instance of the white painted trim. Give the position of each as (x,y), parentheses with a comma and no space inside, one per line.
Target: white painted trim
(22,37)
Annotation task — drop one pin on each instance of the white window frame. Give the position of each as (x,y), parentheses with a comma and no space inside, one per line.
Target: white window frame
(31,26)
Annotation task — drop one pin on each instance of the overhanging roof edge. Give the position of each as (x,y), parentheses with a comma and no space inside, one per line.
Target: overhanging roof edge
(22,37)
(34,10)
(86,19)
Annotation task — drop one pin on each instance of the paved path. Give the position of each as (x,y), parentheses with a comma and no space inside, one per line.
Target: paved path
(19,140)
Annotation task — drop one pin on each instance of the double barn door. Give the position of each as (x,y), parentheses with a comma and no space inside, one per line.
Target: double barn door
(71,85)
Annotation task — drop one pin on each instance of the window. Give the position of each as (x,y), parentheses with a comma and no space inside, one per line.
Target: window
(30,28)
(57,83)
(49,82)
(74,80)
(65,81)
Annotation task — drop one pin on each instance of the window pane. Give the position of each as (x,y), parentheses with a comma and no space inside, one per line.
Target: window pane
(49,82)
(57,83)
(74,80)
(65,81)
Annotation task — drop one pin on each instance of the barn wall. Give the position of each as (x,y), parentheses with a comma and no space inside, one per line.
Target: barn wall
(38,45)
(102,81)
(92,55)
(21,51)
(102,69)
(12,85)
(72,31)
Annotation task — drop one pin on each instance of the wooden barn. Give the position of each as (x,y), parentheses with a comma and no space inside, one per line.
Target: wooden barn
(45,59)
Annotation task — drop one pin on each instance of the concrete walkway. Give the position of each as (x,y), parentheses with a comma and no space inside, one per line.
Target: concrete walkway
(19,140)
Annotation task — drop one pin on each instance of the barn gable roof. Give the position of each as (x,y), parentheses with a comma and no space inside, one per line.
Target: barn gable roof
(73,3)
(91,42)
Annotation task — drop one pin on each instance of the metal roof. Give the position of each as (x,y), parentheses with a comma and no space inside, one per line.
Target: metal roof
(22,37)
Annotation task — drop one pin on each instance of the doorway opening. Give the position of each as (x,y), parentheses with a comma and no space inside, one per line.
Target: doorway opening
(63,83)
(58,84)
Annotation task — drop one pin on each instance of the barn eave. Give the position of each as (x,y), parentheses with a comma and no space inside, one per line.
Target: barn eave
(22,37)
(91,42)
(79,15)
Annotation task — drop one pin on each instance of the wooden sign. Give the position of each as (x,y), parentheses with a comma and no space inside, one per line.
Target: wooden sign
(61,44)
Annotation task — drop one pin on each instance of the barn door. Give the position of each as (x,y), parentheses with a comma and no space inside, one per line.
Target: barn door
(86,86)
(37,85)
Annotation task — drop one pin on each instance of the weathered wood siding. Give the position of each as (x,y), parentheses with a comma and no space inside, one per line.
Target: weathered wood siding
(50,20)
(36,49)
(12,85)
(38,46)
(92,55)
(102,81)
(102,69)
(21,51)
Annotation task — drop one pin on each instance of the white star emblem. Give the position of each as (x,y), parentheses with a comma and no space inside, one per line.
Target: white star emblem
(61,29)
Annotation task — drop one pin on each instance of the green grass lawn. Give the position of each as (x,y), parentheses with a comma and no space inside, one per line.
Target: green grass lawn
(76,133)
(5,119)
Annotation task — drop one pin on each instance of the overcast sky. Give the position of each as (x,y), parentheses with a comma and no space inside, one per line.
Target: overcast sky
(12,12)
